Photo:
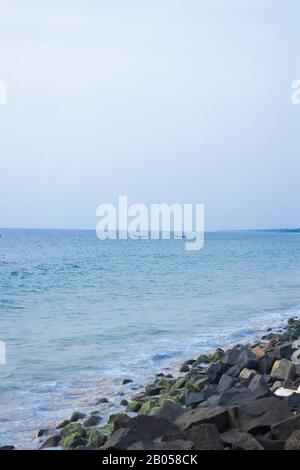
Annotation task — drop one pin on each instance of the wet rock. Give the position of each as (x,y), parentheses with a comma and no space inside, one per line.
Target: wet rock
(282,430)
(218,355)
(213,415)
(52,441)
(127,381)
(7,448)
(258,416)
(148,406)
(96,439)
(43,432)
(205,437)
(293,442)
(204,359)
(124,403)
(184,368)
(246,442)
(153,390)
(102,400)
(283,370)
(134,406)
(76,416)
(93,420)
(63,424)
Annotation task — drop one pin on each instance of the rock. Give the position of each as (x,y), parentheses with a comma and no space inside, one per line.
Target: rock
(203,359)
(153,390)
(282,430)
(259,386)
(284,392)
(296,333)
(73,428)
(284,351)
(247,374)
(225,383)
(234,371)
(283,370)
(63,424)
(236,396)
(170,411)
(205,437)
(124,403)
(145,428)
(293,442)
(232,357)
(102,400)
(92,421)
(76,416)
(134,406)
(213,415)
(258,352)
(276,386)
(52,441)
(193,399)
(246,442)
(7,448)
(228,437)
(72,441)
(215,371)
(218,355)
(293,402)
(190,362)
(268,444)
(184,368)
(178,444)
(248,360)
(196,384)
(43,432)
(96,439)
(148,406)
(127,381)
(258,416)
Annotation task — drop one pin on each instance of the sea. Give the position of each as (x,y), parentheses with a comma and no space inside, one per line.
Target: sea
(79,315)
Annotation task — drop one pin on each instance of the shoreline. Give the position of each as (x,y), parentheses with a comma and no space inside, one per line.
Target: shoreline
(221,383)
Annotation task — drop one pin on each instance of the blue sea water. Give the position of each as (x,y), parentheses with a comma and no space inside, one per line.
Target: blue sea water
(79,315)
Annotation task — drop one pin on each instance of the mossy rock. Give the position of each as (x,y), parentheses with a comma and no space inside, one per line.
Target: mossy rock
(166,383)
(218,355)
(204,359)
(154,389)
(97,438)
(134,406)
(147,407)
(164,399)
(180,383)
(72,441)
(73,428)
(117,421)
(195,385)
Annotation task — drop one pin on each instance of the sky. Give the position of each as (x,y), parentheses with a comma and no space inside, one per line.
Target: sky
(164,101)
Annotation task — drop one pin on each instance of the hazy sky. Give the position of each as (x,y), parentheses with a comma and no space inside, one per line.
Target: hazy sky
(160,100)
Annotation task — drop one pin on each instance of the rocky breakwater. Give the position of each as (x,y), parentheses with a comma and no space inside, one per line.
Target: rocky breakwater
(246,398)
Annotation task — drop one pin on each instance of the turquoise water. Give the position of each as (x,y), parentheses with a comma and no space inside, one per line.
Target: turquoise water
(79,315)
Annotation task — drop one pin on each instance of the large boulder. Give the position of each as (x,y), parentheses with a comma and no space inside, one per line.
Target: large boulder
(293,442)
(205,437)
(284,351)
(259,387)
(258,416)
(283,370)
(170,411)
(245,441)
(145,429)
(237,396)
(213,415)
(283,429)
(225,383)
(215,371)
